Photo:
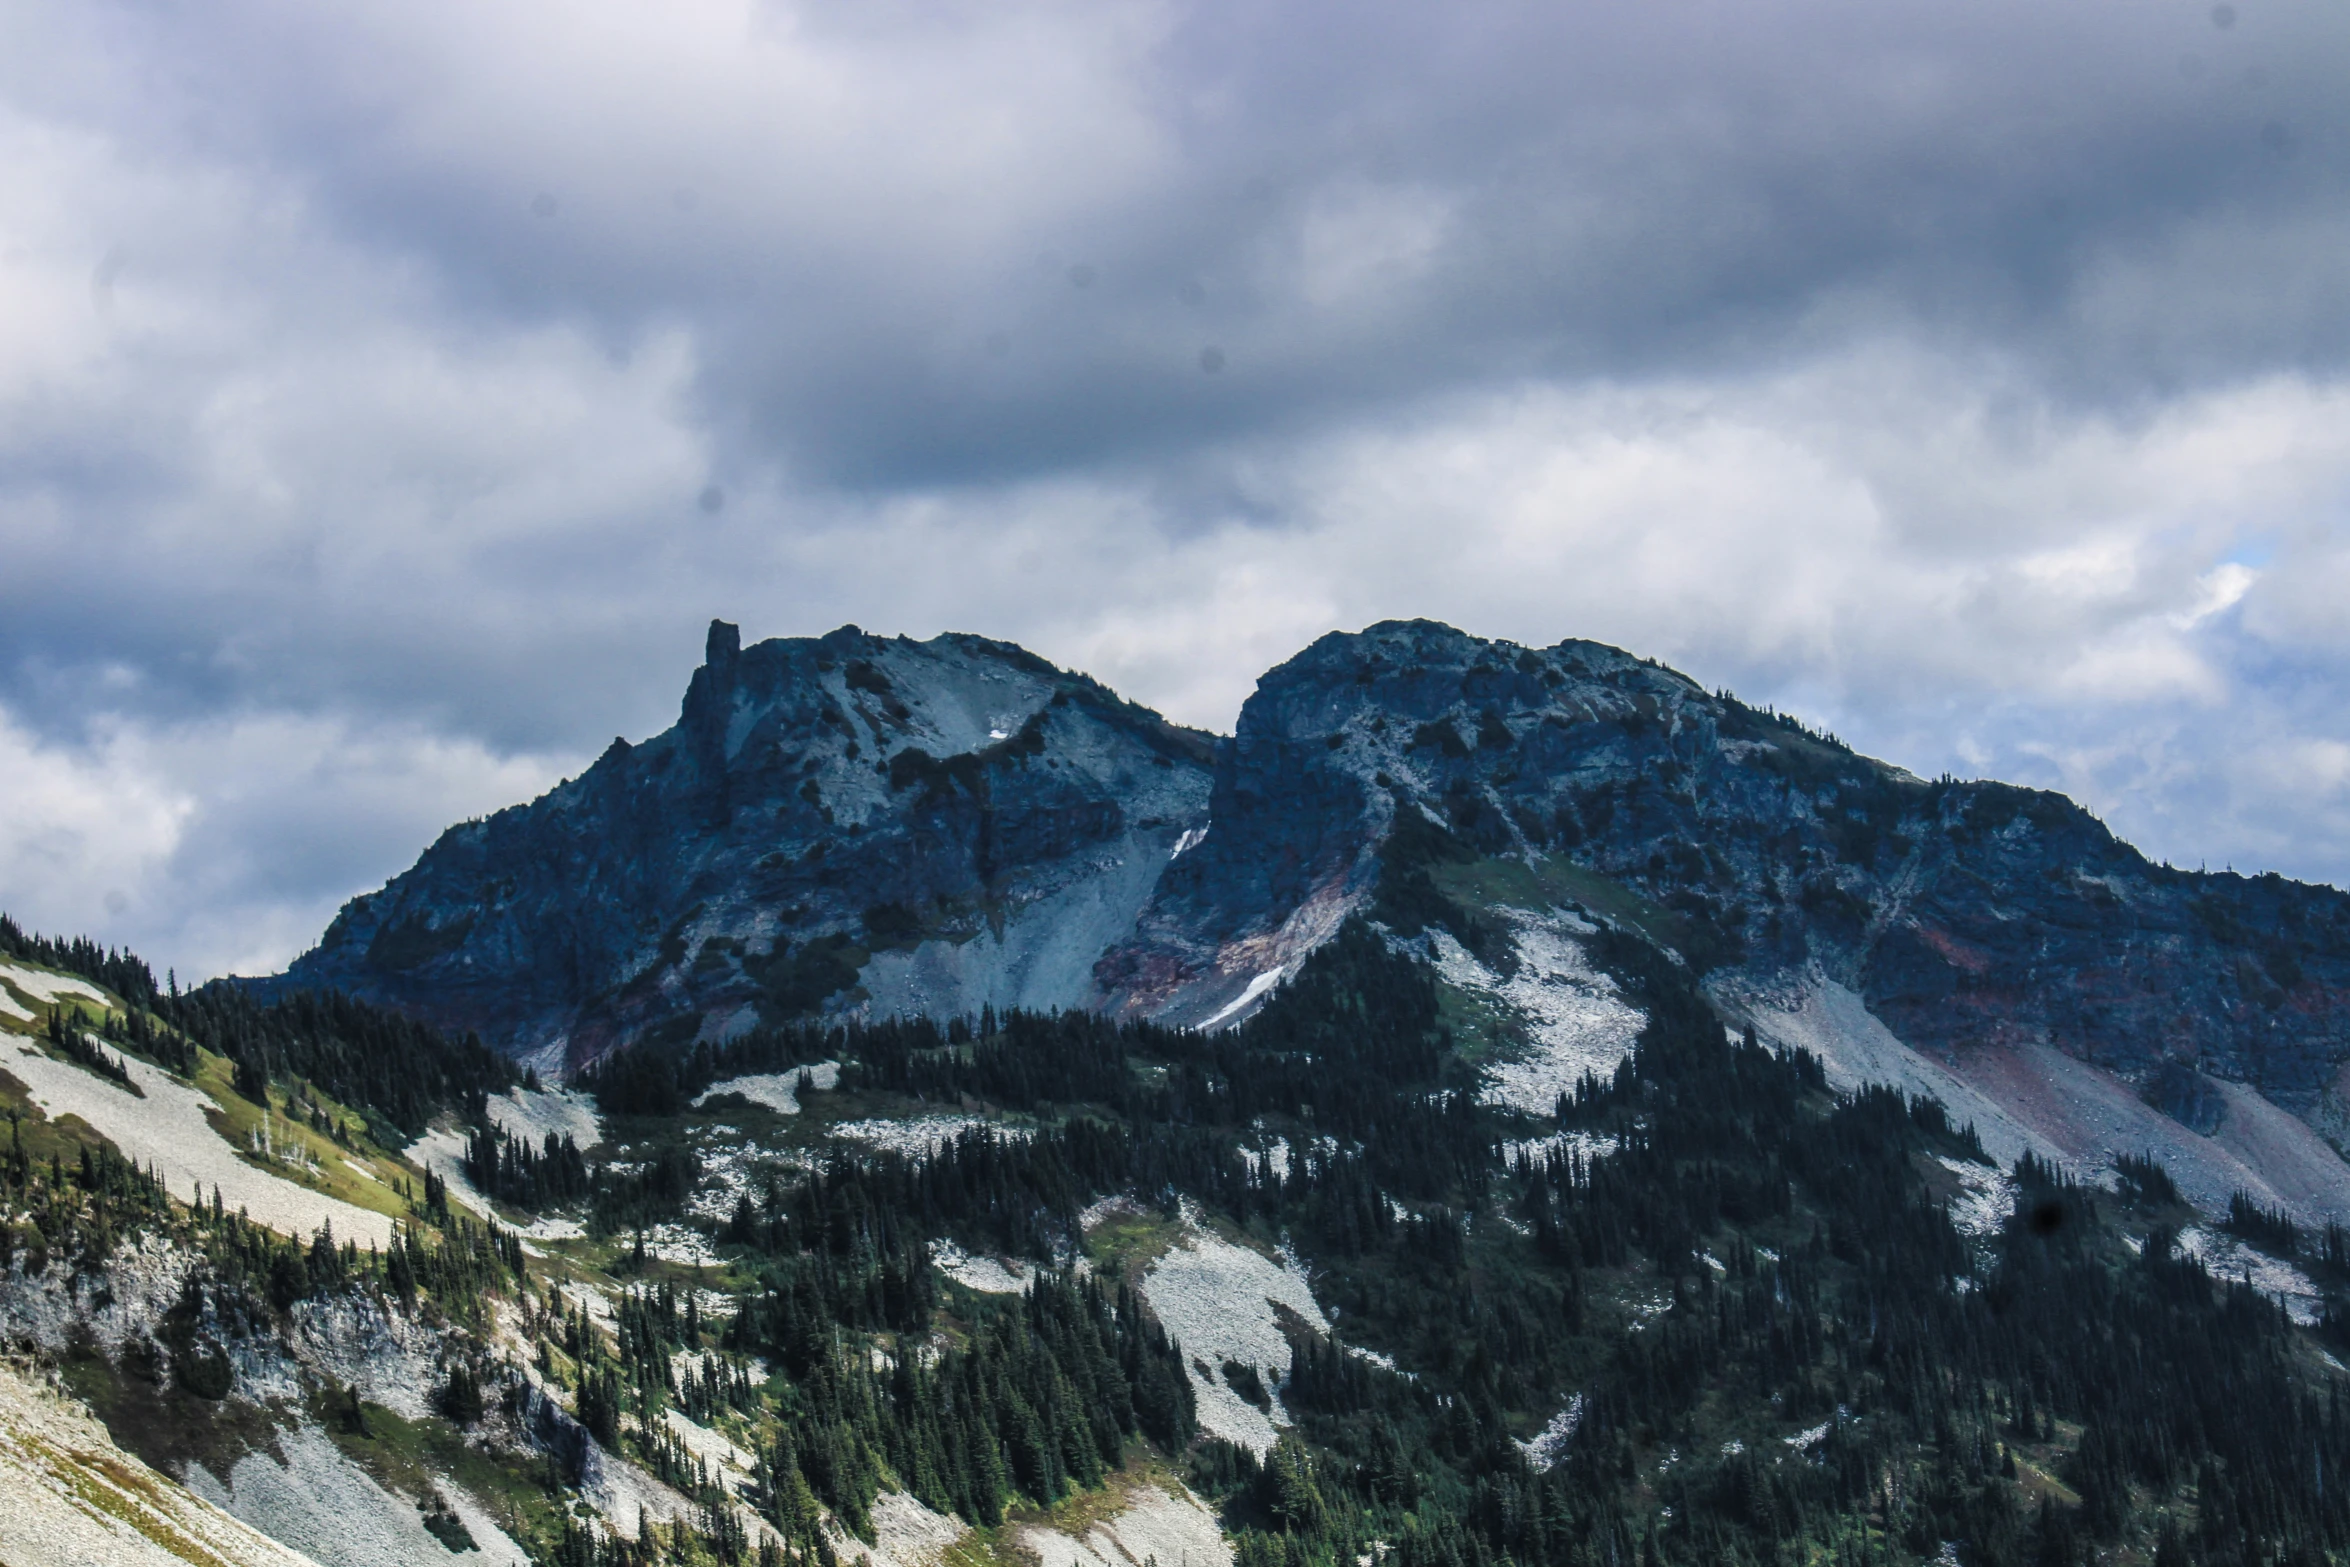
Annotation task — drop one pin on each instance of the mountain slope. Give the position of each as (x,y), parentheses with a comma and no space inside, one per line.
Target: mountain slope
(855,825)
(935,826)
(2002,934)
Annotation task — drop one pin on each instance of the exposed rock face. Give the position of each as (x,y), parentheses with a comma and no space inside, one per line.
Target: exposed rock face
(1965,914)
(849,821)
(917,826)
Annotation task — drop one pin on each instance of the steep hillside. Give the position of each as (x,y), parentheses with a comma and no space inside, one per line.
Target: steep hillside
(842,820)
(1965,914)
(2032,959)
(1478,1240)
(852,826)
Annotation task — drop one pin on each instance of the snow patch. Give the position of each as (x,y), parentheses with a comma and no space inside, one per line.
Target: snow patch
(987,1275)
(1216,1300)
(1575,1020)
(1985,1197)
(1246,999)
(921,1136)
(778,1091)
(47,988)
(1548,1445)
(168,1130)
(2229,1258)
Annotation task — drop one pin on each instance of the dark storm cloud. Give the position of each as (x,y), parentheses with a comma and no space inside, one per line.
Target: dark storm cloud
(392,391)
(1369,202)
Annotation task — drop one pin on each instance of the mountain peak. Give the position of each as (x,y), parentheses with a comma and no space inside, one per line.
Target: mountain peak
(833,820)
(850,823)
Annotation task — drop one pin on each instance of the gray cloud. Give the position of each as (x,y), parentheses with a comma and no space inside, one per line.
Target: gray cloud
(391,392)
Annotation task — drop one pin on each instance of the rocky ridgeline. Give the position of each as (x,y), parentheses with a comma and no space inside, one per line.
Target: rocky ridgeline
(853,822)
(1965,914)
(944,824)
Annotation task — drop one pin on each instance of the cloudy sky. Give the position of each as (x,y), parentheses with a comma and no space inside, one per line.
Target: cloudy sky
(391,392)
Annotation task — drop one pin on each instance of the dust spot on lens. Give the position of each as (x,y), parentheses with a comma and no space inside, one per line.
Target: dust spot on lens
(998,344)
(1192,294)
(544,205)
(2277,139)
(1082,276)
(685,198)
(2223,17)
(1211,359)
(712,499)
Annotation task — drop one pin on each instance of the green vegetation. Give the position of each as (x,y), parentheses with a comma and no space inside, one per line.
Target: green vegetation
(1774,1345)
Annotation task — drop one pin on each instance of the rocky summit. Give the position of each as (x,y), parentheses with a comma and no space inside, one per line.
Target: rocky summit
(854,825)
(930,827)
(1501,1105)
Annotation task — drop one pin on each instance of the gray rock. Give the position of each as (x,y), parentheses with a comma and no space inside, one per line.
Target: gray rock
(833,823)
(849,823)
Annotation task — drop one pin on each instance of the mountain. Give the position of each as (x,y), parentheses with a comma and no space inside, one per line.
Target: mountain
(940,826)
(855,826)
(1501,1106)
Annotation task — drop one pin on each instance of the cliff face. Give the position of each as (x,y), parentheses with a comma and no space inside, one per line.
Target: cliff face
(851,822)
(925,826)
(1968,916)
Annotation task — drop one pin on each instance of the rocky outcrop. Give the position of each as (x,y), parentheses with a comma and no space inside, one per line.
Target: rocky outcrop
(1966,915)
(834,821)
(853,822)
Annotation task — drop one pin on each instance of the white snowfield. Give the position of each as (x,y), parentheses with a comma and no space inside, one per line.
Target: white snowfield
(167,1129)
(530,1114)
(1573,1017)
(1256,988)
(1548,1445)
(1589,1146)
(442,1151)
(1985,1197)
(324,1504)
(988,1275)
(48,988)
(778,1091)
(1155,1526)
(2229,1258)
(921,1136)
(1216,1300)
(73,1499)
